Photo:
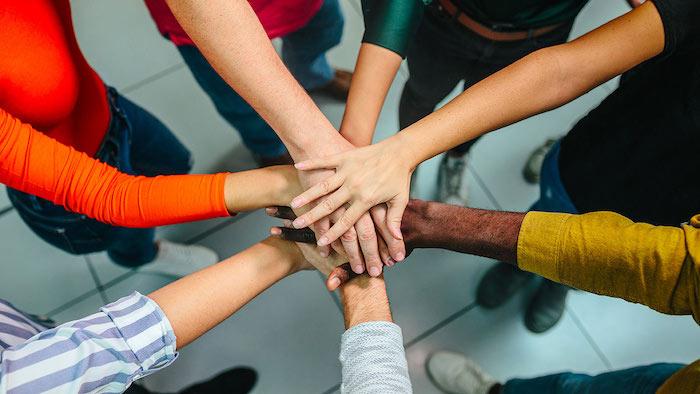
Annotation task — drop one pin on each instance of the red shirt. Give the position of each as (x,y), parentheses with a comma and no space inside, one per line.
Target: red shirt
(278,17)
(44,79)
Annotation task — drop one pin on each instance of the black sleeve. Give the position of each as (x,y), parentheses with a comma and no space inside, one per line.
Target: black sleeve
(681,20)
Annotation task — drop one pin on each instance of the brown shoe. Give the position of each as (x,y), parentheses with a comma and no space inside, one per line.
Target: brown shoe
(274,161)
(338,87)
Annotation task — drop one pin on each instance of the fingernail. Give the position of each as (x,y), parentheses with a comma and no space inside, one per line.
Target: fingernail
(275,231)
(334,282)
(323,241)
(390,262)
(295,203)
(271,211)
(374,271)
(299,166)
(358,269)
(400,256)
(299,223)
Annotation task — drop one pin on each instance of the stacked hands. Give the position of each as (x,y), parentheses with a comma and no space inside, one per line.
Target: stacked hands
(356,218)
(355,210)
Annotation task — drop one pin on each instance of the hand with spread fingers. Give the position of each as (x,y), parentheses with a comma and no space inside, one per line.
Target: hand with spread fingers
(377,175)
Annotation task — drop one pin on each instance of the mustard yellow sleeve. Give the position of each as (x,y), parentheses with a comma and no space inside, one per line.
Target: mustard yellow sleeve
(608,254)
(686,380)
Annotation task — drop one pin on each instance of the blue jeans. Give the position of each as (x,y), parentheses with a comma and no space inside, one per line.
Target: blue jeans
(304,53)
(553,195)
(638,380)
(136,143)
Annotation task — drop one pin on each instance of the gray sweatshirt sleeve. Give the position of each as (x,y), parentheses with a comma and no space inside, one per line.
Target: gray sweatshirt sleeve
(373,359)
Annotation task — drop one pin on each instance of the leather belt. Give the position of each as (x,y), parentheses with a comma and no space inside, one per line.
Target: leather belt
(491,33)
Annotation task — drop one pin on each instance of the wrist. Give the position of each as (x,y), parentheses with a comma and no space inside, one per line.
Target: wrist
(288,261)
(405,149)
(365,300)
(285,184)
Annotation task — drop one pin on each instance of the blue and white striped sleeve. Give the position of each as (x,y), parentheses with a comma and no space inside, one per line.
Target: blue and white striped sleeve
(104,352)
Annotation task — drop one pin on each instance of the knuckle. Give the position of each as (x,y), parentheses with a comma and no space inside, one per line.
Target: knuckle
(349,236)
(327,205)
(325,186)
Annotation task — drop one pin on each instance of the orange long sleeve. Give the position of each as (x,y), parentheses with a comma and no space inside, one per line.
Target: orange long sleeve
(36,164)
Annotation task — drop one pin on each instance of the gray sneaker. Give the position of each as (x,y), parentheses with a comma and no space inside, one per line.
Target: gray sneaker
(533,165)
(452,183)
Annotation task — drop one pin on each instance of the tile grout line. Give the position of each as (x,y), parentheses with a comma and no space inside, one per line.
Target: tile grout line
(6,210)
(152,78)
(334,296)
(430,331)
(95,278)
(589,338)
(485,188)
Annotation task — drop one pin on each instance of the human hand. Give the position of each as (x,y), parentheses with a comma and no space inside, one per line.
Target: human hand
(337,274)
(360,242)
(364,178)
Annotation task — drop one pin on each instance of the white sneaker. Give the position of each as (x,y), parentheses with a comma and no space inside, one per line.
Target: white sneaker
(453,373)
(180,260)
(452,182)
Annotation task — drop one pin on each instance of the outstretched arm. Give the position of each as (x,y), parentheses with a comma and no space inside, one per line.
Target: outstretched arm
(231,37)
(600,252)
(139,335)
(539,82)
(34,163)
(389,27)
(371,350)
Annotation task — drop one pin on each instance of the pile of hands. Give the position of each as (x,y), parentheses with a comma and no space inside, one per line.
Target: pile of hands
(351,210)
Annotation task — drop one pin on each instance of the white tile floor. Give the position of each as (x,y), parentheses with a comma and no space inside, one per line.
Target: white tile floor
(291,333)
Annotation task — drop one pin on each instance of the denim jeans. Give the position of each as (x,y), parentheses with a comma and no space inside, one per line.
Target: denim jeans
(304,53)
(444,53)
(136,143)
(553,195)
(638,380)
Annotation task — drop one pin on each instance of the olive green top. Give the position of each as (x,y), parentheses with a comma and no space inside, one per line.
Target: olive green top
(392,23)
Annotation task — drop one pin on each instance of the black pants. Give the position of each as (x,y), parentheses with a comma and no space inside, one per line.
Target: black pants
(445,53)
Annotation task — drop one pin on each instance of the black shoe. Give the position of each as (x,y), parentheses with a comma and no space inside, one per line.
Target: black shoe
(546,307)
(499,284)
(234,381)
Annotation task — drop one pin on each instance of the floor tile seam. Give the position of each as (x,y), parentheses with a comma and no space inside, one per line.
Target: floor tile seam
(484,187)
(589,338)
(153,78)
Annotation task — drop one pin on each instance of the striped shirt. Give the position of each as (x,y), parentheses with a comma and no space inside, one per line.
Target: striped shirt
(104,352)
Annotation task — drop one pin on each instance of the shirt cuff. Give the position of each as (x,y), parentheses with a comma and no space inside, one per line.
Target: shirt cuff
(146,330)
(373,359)
(540,241)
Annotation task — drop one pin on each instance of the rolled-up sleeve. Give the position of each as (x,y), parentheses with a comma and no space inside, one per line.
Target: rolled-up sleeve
(391,24)
(373,359)
(104,352)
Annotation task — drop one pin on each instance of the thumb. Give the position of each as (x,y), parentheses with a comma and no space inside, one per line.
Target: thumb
(394,214)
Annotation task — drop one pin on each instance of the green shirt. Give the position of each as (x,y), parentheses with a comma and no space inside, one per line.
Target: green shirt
(392,23)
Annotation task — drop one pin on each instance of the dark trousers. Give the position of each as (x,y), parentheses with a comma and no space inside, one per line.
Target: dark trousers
(445,53)
(638,380)
(136,143)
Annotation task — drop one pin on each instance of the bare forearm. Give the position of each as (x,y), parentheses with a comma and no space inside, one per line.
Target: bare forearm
(261,188)
(491,234)
(375,70)
(230,36)
(200,301)
(539,82)
(365,300)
